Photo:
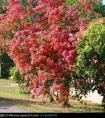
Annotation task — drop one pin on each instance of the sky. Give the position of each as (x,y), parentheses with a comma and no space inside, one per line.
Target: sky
(104,2)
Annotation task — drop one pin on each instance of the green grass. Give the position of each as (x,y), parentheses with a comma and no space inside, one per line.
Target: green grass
(10,92)
(13,96)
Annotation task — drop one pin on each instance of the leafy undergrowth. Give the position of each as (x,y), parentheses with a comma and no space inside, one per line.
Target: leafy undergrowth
(13,96)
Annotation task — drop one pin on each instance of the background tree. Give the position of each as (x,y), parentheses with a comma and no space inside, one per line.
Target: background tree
(2,3)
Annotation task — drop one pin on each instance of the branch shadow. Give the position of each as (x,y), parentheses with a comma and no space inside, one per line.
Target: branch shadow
(14,101)
(7,104)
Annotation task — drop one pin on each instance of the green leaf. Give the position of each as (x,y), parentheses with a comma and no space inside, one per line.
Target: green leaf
(48,83)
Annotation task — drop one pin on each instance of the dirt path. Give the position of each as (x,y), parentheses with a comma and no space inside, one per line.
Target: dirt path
(6,107)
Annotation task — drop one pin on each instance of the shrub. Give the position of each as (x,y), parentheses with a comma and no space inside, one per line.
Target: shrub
(91,59)
(16,76)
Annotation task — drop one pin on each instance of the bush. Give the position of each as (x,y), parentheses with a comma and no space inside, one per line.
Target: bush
(15,76)
(91,59)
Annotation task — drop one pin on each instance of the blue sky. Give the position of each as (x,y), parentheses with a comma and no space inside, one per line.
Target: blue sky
(104,1)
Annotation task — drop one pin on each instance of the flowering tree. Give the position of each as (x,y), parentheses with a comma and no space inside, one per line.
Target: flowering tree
(13,19)
(46,51)
(42,43)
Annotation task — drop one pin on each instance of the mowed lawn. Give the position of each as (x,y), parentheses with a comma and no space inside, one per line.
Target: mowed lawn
(12,95)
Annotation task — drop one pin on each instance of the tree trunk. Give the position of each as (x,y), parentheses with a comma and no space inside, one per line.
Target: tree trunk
(103,102)
(65,95)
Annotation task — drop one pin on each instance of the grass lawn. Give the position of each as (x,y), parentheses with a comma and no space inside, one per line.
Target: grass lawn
(13,96)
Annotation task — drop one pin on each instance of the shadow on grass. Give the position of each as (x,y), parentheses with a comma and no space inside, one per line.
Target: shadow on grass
(5,103)
(11,106)
(23,102)
(16,101)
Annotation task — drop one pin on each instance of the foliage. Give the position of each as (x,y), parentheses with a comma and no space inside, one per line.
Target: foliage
(2,3)
(15,18)
(70,1)
(91,59)
(86,8)
(99,8)
(16,76)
